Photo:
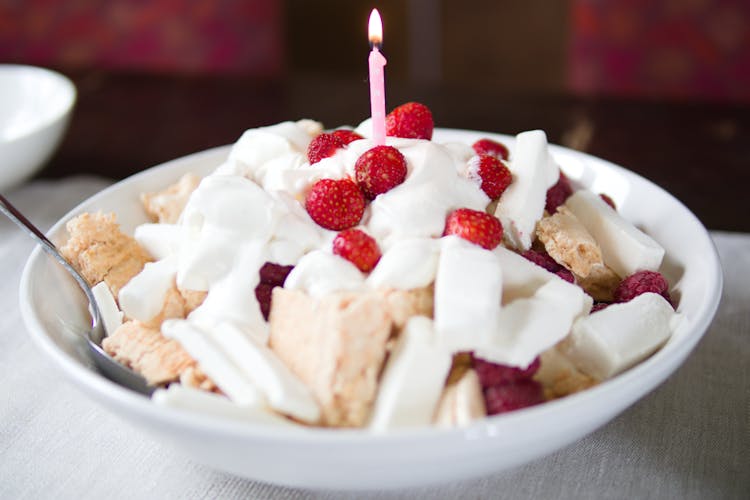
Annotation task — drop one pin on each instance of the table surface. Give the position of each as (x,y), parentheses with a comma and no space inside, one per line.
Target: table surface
(688,439)
(700,152)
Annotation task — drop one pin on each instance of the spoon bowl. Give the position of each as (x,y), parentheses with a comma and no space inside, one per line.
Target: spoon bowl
(95,335)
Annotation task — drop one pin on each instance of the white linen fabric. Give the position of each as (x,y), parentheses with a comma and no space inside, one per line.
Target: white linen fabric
(688,439)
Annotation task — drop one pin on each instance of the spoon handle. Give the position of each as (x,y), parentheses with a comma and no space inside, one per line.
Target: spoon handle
(21,221)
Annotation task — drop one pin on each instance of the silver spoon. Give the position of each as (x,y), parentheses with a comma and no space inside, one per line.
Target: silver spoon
(107,366)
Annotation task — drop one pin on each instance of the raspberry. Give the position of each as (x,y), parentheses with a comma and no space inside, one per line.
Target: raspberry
(543,259)
(598,306)
(263,293)
(411,120)
(609,201)
(335,204)
(323,146)
(494,176)
(477,227)
(492,148)
(642,282)
(492,374)
(346,136)
(357,247)
(509,397)
(274,274)
(380,169)
(557,194)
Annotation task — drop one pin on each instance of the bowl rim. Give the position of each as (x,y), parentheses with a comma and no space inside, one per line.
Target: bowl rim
(71,95)
(655,369)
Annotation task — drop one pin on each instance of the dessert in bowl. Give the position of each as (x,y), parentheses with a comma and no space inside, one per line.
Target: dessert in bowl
(338,351)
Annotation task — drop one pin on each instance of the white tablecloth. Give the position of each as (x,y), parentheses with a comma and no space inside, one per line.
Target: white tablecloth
(688,439)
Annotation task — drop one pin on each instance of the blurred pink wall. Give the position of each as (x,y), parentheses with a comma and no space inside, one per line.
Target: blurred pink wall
(186,36)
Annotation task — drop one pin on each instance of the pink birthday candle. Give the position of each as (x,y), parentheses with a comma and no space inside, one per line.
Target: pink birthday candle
(377,80)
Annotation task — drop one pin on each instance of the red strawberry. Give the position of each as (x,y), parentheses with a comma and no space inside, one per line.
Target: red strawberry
(346,136)
(357,247)
(492,148)
(335,204)
(411,120)
(380,169)
(477,227)
(495,177)
(323,146)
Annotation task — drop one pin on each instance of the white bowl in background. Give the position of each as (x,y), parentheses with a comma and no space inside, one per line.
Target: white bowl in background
(355,459)
(35,107)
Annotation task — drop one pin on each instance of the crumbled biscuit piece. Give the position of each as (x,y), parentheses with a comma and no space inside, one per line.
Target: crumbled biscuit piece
(600,283)
(568,242)
(336,345)
(403,304)
(167,205)
(559,376)
(192,298)
(101,252)
(148,352)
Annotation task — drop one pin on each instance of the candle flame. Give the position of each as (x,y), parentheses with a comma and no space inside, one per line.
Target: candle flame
(375,28)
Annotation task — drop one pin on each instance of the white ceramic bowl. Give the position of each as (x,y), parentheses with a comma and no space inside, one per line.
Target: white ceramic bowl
(357,459)
(35,107)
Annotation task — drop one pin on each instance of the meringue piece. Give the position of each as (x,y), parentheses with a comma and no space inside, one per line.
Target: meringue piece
(214,363)
(232,298)
(522,203)
(208,403)
(528,327)
(284,392)
(412,380)
(159,240)
(468,292)
(461,402)
(144,295)
(321,273)
(625,248)
(613,339)
(110,313)
(410,263)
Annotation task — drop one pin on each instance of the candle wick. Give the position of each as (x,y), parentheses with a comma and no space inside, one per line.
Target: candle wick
(376,45)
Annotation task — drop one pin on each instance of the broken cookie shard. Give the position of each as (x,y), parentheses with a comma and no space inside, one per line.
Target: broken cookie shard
(568,242)
(166,206)
(101,252)
(336,345)
(158,359)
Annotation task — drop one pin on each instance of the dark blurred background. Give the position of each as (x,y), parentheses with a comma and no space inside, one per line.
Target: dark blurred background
(659,86)
(675,49)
